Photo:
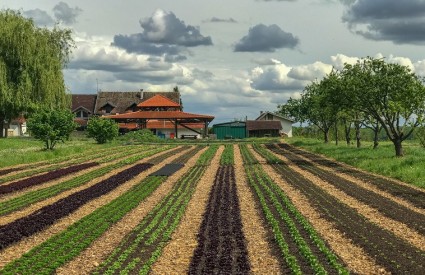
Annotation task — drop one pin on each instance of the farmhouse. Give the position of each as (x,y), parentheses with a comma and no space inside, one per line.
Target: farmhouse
(161,112)
(286,123)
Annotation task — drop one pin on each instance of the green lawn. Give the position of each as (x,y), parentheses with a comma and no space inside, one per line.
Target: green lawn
(410,168)
(19,150)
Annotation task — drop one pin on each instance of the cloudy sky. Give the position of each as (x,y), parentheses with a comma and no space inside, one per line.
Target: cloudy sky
(232,58)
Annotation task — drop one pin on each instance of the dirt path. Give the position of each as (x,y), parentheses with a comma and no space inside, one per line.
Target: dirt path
(177,254)
(91,257)
(261,259)
(15,251)
(355,257)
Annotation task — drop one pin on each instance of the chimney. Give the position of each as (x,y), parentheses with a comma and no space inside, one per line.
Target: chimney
(141,94)
(261,112)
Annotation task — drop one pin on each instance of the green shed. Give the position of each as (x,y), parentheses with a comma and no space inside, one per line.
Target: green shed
(230,130)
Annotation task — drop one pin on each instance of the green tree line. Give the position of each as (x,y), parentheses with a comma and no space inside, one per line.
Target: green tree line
(370,94)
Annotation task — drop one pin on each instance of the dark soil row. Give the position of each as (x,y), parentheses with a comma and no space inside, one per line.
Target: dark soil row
(394,254)
(37,221)
(43,178)
(387,207)
(221,242)
(412,195)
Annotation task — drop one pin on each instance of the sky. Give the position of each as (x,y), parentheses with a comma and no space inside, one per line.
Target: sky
(230,59)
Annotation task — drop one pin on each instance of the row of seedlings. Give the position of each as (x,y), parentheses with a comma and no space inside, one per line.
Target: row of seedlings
(408,193)
(221,243)
(137,252)
(64,246)
(35,169)
(385,206)
(26,199)
(397,256)
(37,221)
(302,250)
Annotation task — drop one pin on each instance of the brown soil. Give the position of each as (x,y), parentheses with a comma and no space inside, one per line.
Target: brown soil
(15,251)
(381,244)
(367,185)
(355,257)
(401,230)
(91,257)
(260,255)
(176,255)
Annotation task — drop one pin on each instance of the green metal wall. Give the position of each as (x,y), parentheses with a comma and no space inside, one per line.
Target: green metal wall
(224,131)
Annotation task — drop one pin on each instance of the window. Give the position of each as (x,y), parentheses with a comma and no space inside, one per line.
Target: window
(81,114)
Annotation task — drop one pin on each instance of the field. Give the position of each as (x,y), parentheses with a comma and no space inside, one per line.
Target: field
(206,209)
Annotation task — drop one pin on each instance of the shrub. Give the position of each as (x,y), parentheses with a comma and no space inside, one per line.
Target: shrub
(102,129)
(51,126)
(143,135)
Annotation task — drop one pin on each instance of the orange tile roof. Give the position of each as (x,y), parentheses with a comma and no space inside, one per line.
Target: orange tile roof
(160,115)
(158,101)
(156,124)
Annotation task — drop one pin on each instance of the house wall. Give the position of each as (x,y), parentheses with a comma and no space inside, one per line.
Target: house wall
(13,130)
(286,124)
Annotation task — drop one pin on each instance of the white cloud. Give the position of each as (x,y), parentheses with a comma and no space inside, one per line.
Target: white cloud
(339,60)
(311,71)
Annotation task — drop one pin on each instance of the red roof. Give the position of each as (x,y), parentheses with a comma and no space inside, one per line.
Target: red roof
(158,101)
(157,124)
(160,115)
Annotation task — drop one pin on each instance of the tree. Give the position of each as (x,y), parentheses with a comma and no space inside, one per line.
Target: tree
(102,129)
(31,63)
(390,93)
(51,126)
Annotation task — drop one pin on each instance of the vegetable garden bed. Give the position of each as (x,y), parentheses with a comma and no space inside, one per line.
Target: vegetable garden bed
(221,244)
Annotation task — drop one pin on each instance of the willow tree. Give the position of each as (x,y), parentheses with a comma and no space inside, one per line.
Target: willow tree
(31,64)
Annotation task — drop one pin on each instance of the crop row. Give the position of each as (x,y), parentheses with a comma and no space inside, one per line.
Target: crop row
(384,205)
(6,170)
(37,221)
(140,248)
(29,198)
(221,243)
(408,193)
(395,255)
(300,245)
(227,157)
(64,246)
(43,178)
(104,155)
(48,256)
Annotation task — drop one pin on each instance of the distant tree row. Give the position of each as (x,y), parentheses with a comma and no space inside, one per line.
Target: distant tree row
(371,93)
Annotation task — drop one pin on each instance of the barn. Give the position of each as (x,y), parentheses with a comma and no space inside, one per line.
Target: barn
(249,128)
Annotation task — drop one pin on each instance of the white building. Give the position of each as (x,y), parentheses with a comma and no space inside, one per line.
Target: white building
(285,122)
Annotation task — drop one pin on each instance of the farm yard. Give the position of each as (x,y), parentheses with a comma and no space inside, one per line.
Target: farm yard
(206,209)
